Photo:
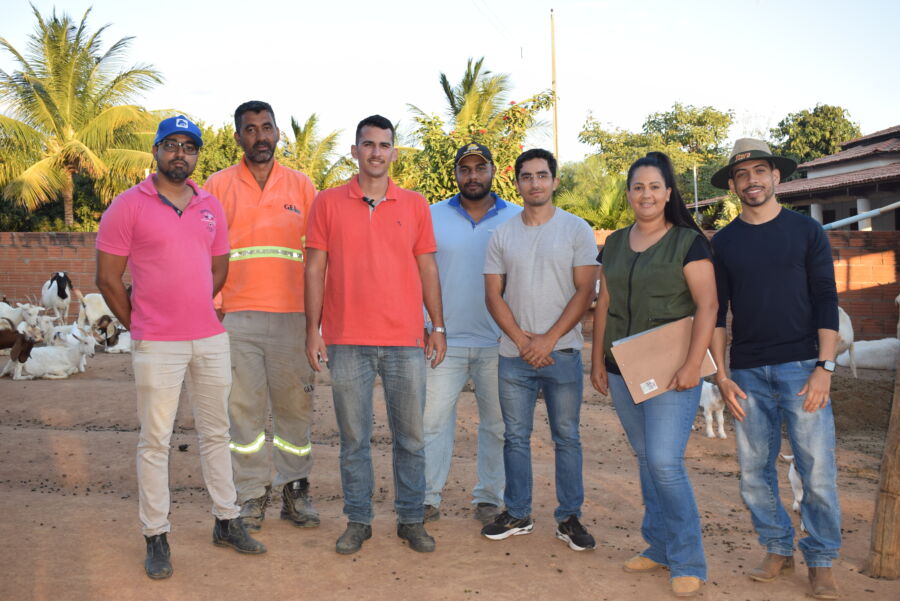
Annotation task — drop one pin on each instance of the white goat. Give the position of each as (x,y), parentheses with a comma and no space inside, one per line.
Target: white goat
(56,294)
(845,338)
(897,302)
(55,362)
(92,313)
(22,312)
(71,335)
(874,354)
(796,488)
(713,405)
(122,345)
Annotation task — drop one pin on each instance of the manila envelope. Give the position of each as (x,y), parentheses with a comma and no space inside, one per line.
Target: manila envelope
(648,360)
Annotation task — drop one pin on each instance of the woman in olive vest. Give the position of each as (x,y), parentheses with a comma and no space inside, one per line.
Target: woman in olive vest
(656,271)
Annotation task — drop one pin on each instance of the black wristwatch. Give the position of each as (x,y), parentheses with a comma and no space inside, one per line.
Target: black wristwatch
(826,365)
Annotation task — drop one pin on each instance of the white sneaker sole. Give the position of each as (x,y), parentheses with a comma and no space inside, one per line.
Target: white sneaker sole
(512,532)
(565,538)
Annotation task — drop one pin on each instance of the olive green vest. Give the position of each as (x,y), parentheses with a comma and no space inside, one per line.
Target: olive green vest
(646,289)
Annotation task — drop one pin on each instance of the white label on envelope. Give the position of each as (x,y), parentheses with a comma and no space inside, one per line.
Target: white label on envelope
(648,386)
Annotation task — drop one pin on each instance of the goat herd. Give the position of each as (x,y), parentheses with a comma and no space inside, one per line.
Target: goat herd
(45,345)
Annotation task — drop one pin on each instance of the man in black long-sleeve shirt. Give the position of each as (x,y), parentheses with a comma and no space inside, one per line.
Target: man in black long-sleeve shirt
(774,269)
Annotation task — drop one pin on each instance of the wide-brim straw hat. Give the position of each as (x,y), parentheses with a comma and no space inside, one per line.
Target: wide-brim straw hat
(750,149)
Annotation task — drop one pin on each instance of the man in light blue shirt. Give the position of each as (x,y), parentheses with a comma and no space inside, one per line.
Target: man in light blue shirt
(463,225)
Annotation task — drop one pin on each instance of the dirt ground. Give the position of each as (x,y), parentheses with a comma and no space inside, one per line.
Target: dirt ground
(70,531)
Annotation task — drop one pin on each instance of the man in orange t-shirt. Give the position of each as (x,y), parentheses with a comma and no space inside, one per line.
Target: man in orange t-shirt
(267,206)
(371,265)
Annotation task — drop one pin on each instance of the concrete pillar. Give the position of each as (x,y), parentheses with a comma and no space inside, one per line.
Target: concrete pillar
(864,206)
(815,211)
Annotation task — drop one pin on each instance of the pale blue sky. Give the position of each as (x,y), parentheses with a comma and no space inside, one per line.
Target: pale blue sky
(619,60)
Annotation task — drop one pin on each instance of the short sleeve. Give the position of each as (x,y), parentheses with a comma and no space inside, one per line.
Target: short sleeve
(600,256)
(698,251)
(425,242)
(115,231)
(317,229)
(585,246)
(493,259)
(220,245)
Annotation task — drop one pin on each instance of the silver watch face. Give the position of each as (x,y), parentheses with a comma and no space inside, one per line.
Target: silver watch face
(827,365)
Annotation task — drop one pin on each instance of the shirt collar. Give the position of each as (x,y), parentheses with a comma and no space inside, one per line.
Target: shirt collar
(499,204)
(356,190)
(247,176)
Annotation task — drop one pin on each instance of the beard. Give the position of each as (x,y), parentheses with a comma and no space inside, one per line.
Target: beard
(757,202)
(260,155)
(176,174)
(476,192)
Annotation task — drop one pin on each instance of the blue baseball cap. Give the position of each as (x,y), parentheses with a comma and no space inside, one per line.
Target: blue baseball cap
(178,125)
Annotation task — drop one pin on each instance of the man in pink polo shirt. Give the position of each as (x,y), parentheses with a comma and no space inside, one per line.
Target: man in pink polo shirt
(370,264)
(172,237)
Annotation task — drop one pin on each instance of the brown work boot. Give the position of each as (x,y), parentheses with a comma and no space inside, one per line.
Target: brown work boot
(771,566)
(821,580)
(685,586)
(639,564)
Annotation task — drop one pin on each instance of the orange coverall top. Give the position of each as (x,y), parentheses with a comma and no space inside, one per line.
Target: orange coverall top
(267,234)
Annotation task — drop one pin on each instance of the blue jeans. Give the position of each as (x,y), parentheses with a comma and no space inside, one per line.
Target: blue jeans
(772,398)
(444,384)
(402,370)
(562,384)
(658,430)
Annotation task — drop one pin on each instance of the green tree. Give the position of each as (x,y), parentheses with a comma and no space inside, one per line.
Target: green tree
(219,151)
(430,169)
(594,195)
(69,102)
(808,135)
(688,135)
(316,155)
(479,112)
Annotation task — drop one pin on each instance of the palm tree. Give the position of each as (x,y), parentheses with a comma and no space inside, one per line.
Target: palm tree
(69,112)
(479,97)
(597,197)
(315,156)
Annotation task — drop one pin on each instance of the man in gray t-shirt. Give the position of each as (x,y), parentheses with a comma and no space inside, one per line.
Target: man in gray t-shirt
(539,274)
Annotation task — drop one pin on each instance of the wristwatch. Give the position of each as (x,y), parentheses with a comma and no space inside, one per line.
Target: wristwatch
(826,365)
(439,330)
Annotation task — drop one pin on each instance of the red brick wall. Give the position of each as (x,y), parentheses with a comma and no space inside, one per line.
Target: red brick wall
(865,268)
(27,260)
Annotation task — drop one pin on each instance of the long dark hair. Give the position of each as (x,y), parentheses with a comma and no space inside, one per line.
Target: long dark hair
(675,212)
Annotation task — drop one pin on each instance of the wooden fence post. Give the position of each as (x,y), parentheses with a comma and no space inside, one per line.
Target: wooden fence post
(884,553)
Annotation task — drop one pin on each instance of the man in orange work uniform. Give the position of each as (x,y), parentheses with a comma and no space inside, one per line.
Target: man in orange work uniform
(267,206)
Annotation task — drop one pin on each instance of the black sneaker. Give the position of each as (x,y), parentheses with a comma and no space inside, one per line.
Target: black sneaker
(233,533)
(572,532)
(157,565)
(353,537)
(415,534)
(505,525)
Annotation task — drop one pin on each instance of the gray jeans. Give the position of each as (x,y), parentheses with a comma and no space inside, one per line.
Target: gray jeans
(270,373)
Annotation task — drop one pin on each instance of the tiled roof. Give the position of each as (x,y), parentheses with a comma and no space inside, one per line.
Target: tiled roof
(895,130)
(841,180)
(856,152)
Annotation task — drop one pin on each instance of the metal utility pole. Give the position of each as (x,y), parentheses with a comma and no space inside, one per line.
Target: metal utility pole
(553,86)
(696,198)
